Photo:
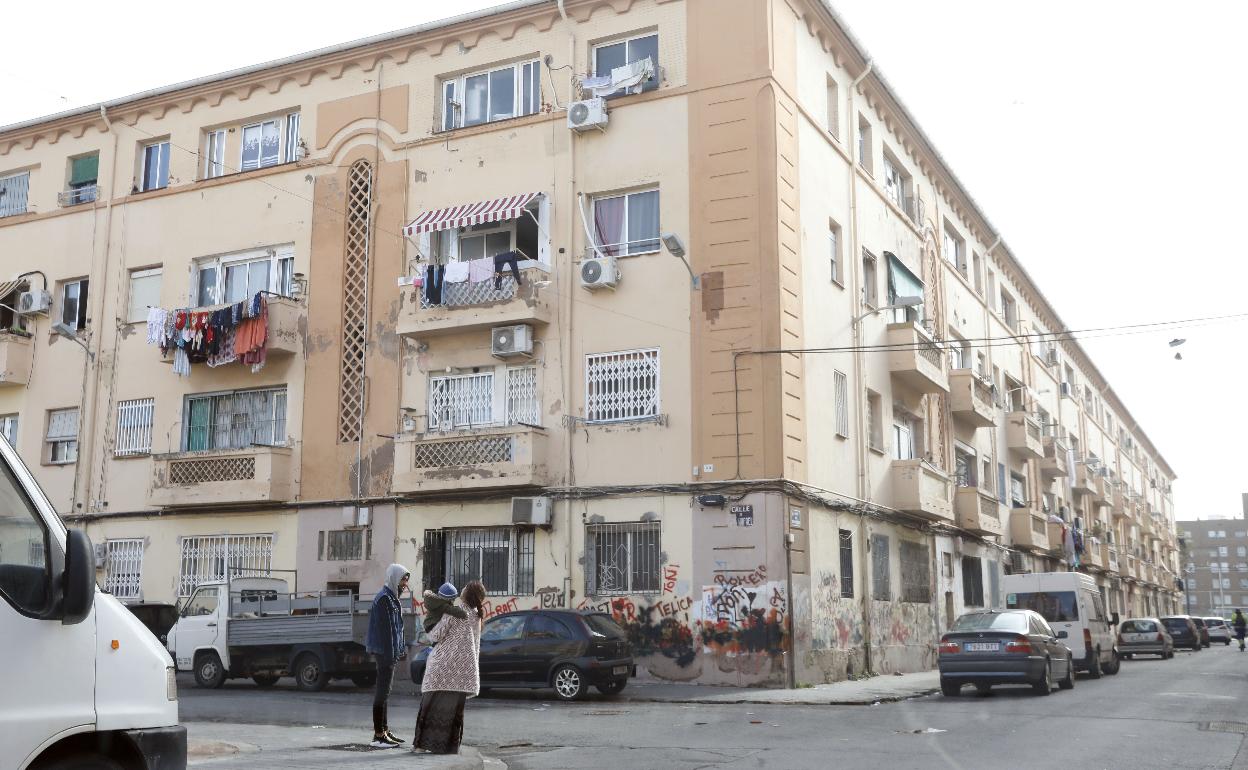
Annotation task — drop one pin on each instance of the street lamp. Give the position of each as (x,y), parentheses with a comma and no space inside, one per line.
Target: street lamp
(676,247)
(64,330)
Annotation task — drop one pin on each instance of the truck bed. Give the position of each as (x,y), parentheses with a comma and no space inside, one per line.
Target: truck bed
(329,628)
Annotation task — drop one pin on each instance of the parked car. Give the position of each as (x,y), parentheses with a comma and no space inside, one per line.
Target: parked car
(158,617)
(1219,630)
(1204,631)
(1183,631)
(1070,602)
(567,650)
(992,647)
(1144,636)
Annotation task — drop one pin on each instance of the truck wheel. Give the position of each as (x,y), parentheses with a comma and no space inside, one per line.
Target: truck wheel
(364,680)
(1113,666)
(310,675)
(1094,667)
(208,670)
(82,762)
(264,680)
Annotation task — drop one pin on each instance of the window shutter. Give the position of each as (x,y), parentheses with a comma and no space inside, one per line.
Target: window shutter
(842,405)
(84,170)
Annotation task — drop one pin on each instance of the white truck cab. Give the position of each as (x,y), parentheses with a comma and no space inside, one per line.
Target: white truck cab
(83,684)
(1070,602)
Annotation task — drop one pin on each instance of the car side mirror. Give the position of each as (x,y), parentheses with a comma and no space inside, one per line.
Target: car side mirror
(1062,635)
(79,578)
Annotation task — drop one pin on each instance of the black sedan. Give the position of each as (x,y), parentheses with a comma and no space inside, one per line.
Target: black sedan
(1184,631)
(1004,647)
(567,650)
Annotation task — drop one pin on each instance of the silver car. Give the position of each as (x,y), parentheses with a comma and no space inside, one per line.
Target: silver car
(1219,630)
(1144,636)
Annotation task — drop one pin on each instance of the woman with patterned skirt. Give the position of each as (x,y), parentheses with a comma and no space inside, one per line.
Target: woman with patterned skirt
(452,675)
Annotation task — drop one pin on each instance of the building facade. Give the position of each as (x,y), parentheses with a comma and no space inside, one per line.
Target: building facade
(799,466)
(1214,555)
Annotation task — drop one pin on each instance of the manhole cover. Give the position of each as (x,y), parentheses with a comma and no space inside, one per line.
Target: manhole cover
(1226,727)
(353,747)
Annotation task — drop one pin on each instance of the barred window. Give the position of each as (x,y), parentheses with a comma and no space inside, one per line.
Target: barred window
(522,403)
(623,558)
(123,568)
(915,571)
(847,564)
(461,401)
(344,545)
(134,427)
(881,589)
(622,385)
(500,557)
(235,420)
(211,558)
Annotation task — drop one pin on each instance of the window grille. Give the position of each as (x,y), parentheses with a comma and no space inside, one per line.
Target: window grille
(500,557)
(134,427)
(356,256)
(522,396)
(14,191)
(461,401)
(881,588)
(623,558)
(622,386)
(123,565)
(915,570)
(345,544)
(847,564)
(235,420)
(210,558)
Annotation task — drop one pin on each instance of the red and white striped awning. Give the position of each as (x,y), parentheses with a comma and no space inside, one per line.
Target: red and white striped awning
(469,214)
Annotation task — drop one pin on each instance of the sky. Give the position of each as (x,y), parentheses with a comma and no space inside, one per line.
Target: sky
(1099,138)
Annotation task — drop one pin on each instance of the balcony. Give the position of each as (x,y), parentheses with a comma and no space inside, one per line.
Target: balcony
(1110,555)
(15,358)
(1029,529)
(469,306)
(1118,504)
(1053,465)
(1022,435)
(1128,567)
(1092,556)
(496,457)
(971,399)
(915,359)
(920,489)
(257,474)
(285,336)
(978,512)
(1083,480)
(1100,488)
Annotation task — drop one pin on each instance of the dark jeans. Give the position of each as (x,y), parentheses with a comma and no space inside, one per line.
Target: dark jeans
(385,676)
(507,259)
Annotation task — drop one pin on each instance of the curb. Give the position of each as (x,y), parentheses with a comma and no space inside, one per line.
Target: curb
(733,701)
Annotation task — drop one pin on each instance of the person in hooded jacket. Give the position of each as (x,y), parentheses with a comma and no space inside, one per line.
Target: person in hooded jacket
(386,643)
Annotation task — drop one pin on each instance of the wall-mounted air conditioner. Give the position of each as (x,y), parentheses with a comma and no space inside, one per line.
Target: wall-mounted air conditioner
(1068,390)
(591,113)
(509,341)
(531,511)
(599,273)
(34,302)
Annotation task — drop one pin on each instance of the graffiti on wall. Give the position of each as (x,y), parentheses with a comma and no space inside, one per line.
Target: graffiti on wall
(742,622)
(903,636)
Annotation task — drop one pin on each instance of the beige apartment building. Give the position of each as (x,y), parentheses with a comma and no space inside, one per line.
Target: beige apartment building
(797,466)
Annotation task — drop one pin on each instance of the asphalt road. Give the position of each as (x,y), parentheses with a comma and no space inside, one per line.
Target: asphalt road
(1191,711)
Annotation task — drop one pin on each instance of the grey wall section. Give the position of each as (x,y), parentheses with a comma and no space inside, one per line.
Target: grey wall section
(369,573)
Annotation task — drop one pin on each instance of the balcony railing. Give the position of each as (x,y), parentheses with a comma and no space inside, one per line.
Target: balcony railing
(222,477)
(971,398)
(467,306)
(922,490)
(978,512)
(1054,463)
(15,358)
(1084,479)
(1028,529)
(284,335)
(1022,434)
(915,359)
(84,194)
(504,456)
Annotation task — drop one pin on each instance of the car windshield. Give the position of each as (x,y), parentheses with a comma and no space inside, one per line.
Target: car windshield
(1175,624)
(603,625)
(992,621)
(1211,622)
(1139,627)
(1053,606)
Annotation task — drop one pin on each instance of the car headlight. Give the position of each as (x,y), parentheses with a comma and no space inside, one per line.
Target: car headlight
(171,682)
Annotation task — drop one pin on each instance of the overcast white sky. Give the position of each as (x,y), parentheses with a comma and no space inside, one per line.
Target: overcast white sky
(1099,137)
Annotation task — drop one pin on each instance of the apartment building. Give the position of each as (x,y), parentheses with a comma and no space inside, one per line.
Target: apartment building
(761,381)
(1214,554)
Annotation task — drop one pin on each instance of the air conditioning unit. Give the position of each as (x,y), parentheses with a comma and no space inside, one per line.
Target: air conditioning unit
(532,511)
(591,113)
(101,554)
(32,302)
(599,273)
(1068,390)
(508,341)
(1016,563)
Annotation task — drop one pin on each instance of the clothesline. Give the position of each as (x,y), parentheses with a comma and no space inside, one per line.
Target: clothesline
(216,335)
(475,271)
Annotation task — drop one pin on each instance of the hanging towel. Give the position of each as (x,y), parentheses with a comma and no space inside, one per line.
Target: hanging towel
(181,363)
(631,78)
(156,325)
(456,272)
(225,348)
(480,269)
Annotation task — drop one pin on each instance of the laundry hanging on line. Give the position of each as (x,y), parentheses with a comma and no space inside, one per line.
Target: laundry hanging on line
(217,336)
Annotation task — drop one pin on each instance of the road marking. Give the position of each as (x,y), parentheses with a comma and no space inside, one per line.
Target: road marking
(1200,695)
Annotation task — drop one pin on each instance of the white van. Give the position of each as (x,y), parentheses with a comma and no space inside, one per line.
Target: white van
(1070,602)
(83,684)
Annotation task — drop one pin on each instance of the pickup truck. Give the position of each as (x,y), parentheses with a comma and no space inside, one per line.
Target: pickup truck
(255,627)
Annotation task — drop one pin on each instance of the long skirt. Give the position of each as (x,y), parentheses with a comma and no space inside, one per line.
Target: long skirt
(440,724)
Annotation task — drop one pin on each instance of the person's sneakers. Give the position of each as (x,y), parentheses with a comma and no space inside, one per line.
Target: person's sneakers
(396,740)
(383,741)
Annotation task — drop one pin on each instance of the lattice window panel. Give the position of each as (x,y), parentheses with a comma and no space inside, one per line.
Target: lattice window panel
(522,402)
(356,255)
(207,559)
(212,469)
(459,452)
(123,568)
(622,385)
(461,400)
(468,293)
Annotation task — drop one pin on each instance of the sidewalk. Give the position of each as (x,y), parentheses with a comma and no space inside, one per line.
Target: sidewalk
(219,746)
(879,689)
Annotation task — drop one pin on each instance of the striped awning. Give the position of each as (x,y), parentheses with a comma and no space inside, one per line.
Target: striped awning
(8,287)
(469,214)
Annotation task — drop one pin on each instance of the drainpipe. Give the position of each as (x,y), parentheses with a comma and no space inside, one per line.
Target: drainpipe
(789,537)
(566,309)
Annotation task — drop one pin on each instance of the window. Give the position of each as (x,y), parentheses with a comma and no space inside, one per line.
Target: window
(964,465)
(25,546)
(1222,550)
(497,94)
(985,477)
(500,557)
(210,558)
(1241,551)
(623,558)
(1009,310)
(847,564)
(261,146)
(8,428)
(895,182)
(864,143)
(875,422)
(991,284)
(622,386)
(870,293)
(62,439)
(74,304)
(618,54)
(154,166)
(344,545)
(144,293)
(1018,491)
(83,174)
(834,252)
(229,279)
(508,627)
(134,427)
(1002,489)
(954,249)
(880,586)
(972,582)
(467,400)
(903,435)
(627,224)
(833,113)
(977,272)
(959,351)
(915,579)
(123,568)
(840,384)
(214,154)
(235,420)
(14,190)
(290,148)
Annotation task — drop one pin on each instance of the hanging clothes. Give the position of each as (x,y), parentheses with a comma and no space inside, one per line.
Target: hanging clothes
(434,279)
(156,325)
(480,270)
(181,363)
(456,272)
(251,337)
(502,261)
(225,348)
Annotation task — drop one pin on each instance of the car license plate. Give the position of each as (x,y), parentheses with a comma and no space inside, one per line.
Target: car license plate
(982,646)
(619,670)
